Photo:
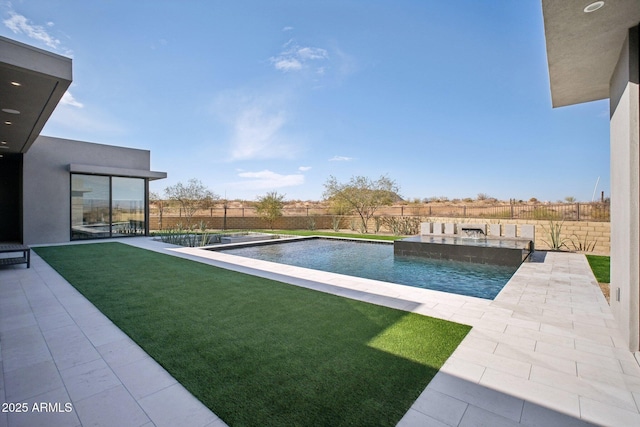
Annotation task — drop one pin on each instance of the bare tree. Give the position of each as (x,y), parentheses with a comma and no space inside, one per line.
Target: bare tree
(191,197)
(269,207)
(362,195)
(155,199)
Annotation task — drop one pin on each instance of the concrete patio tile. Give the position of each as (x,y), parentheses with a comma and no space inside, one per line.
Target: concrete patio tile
(474,341)
(89,379)
(602,392)
(606,376)
(491,324)
(121,352)
(579,356)
(112,407)
(70,347)
(603,414)
(521,341)
(538,336)
(480,417)
(144,377)
(35,417)
(539,416)
(17,321)
(103,333)
(630,367)
(541,394)
(536,358)
(23,347)
(414,418)
(47,307)
(175,406)
(440,406)
(55,321)
(3,416)
(478,395)
(15,305)
(463,369)
(31,381)
(500,363)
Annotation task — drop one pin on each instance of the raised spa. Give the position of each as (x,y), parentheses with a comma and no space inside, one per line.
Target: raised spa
(469,243)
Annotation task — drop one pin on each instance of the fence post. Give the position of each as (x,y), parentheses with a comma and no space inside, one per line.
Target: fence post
(401,210)
(429,210)
(464,211)
(578,210)
(512,211)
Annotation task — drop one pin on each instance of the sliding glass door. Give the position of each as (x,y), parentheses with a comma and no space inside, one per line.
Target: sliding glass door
(127,206)
(105,206)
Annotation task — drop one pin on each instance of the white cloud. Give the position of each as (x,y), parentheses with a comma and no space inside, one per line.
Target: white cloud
(340,159)
(266,180)
(257,126)
(287,64)
(311,53)
(295,57)
(20,24)
(304,168)
(68,99)
(287,29)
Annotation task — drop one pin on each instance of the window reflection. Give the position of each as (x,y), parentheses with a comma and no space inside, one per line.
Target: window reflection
(103,206)
(127,206)
(89,206)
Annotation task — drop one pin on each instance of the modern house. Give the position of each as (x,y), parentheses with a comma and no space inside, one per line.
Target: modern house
(55,190)
(593,53)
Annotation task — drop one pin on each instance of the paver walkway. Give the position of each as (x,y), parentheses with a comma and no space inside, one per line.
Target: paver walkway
(63,363)
(545,352)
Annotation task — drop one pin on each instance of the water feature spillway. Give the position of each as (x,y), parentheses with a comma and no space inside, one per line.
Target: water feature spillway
(485,250)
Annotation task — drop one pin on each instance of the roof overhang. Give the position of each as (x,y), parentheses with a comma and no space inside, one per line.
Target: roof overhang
(583,48)
(106,170)
(32,82)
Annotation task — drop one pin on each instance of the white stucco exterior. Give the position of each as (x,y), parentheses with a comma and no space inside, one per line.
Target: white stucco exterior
(625,191)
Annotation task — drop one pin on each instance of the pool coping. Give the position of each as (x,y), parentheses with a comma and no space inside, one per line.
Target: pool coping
(304,272)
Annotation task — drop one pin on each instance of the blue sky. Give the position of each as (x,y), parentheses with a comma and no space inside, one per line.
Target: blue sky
(446,98)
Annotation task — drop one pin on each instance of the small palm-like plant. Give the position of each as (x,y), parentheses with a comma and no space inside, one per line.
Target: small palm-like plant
(556,242)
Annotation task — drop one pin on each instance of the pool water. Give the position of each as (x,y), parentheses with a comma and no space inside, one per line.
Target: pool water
(376,261)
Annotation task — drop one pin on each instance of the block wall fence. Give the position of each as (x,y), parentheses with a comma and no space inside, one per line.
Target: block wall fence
(573,233)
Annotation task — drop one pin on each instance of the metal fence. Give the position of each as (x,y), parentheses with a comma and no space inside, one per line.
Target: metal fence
(561,211)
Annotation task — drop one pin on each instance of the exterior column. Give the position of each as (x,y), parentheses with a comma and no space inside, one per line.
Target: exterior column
(625,191)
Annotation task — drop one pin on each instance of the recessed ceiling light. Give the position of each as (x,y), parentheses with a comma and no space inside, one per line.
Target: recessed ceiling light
(10,111)
(4,147)
(16,83)
(3,142)
(593,6)
(7,122)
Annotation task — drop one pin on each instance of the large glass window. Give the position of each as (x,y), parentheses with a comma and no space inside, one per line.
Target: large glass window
(103,206)
(127,206)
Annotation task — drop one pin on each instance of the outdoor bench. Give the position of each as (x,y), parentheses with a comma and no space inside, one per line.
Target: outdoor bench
(15,248)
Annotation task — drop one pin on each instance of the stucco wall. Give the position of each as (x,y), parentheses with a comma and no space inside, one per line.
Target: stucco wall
(46,182)
(625,175)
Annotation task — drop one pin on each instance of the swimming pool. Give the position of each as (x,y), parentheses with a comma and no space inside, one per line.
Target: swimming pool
(376,261)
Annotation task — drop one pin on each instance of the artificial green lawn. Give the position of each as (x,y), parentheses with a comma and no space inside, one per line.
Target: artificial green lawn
(601,267)
(259,352)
